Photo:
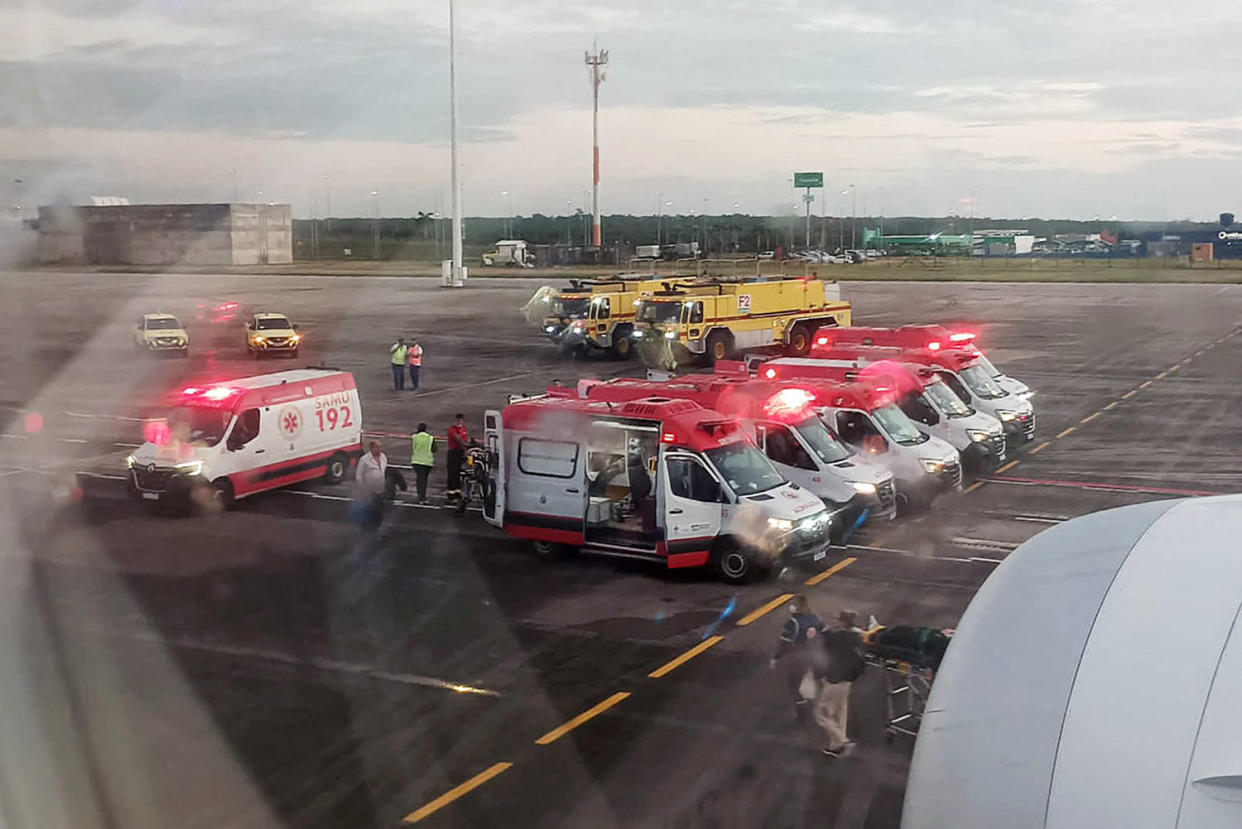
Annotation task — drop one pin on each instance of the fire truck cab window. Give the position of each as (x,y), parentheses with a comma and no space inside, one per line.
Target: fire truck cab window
(696,313)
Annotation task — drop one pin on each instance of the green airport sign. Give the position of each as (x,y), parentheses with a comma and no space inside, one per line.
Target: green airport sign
(808,179)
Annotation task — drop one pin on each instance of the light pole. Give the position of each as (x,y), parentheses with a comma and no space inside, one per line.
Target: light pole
(458,278)
(569,211)
(853,218)
(706,243)
(881,242)
(841,222)
(233,175)
(327,204)
(660,216)
(375,231)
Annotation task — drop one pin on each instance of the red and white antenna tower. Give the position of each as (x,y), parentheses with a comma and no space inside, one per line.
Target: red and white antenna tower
(596,62)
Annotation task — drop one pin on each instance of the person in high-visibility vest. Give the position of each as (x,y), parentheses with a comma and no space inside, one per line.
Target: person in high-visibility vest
(400,354)
(416,362)
(422,451)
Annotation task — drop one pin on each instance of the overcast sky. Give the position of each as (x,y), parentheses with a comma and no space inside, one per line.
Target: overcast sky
(1036,107)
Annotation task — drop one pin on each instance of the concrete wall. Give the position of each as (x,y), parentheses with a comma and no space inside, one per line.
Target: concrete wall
(166,234)
(262,234)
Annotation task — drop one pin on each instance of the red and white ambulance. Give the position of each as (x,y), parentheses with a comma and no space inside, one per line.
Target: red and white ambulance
(779,419)
(865,414)
(656,479)
(244,436)
(932,338)
(923,396)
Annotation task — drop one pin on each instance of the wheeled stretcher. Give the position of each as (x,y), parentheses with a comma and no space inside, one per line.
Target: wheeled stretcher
(907,658)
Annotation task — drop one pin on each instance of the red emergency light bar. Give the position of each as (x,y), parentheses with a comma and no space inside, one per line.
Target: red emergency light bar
(961,337)
(668,437)
(934,345)
(770,373)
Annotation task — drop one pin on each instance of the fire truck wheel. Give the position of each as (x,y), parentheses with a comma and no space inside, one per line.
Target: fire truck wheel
(338,464)
(800,340)
(719,346)
(732,563)
(622,345)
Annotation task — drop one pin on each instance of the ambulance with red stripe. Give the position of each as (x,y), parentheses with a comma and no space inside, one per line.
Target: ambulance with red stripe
(962,364)
(923,396)
(781,421)
(656,479)
(864,412)
(932,337)
(235,439)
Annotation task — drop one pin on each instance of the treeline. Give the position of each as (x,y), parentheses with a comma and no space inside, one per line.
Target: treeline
(424,237)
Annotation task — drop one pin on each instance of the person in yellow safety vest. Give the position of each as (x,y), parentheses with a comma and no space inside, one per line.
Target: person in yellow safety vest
(422,450)
(400,352)
(416,362)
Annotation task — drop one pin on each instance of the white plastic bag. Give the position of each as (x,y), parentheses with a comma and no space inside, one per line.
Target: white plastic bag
(808,688)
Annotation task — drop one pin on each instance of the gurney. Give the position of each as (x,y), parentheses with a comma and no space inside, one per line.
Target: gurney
(907,658)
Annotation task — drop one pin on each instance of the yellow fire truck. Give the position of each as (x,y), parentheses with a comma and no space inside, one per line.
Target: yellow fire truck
(719,320)
(608,320)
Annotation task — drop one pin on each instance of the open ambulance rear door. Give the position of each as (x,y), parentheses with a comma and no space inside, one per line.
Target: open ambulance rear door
(493,442)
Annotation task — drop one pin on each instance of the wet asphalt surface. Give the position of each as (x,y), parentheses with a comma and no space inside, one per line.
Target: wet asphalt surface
(273,666)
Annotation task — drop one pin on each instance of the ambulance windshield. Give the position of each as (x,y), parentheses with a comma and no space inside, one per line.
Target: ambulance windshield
(981,383)
(660,312)
(204,425)
(988,366)
(899,427)
(744,468)
(823,442)
(945,400)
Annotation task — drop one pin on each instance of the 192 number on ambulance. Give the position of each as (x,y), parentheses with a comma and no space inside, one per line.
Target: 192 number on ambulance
(335,417)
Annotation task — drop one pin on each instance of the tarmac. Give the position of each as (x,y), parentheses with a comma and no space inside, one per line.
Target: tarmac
(271,666)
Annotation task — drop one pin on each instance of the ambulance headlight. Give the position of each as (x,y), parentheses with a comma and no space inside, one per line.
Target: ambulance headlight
(977,435)
(780,524)
(258,340)
(932,466)
(863,487)
(189,468)
(670,335)
(1006,415)
(295,338)
(129,462)
(638,335)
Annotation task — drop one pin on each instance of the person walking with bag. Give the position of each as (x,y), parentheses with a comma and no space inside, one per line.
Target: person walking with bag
(422,458)
(842,644)
(400,355)
(795,651)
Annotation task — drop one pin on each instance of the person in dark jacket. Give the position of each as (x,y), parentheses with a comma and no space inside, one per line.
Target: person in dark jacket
(795,653)
(842,645)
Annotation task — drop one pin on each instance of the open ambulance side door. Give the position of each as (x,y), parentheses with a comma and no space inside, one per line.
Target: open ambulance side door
(493,442)
(690,500)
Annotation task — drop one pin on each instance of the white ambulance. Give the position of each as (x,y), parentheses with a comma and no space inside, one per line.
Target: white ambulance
(245,436)
(655,479)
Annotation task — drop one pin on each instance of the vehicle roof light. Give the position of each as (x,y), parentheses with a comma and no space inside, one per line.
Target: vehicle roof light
(821,341)
(219,393)
(191,390)
(788,403)
(934,345)
(770,373)
(668,437)
(961,337)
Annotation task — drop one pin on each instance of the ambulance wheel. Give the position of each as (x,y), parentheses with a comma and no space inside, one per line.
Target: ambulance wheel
(622,345)
(338,465)
(222,493)
(548,549)
(719,346)
(733,564)
(800,340)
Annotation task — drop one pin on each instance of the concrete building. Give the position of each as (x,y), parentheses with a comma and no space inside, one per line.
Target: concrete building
(166,234)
